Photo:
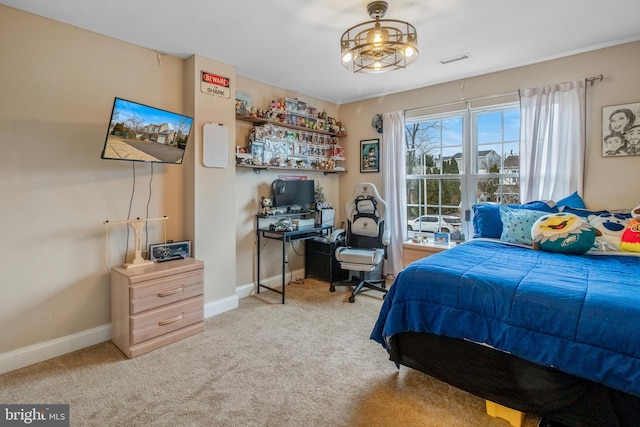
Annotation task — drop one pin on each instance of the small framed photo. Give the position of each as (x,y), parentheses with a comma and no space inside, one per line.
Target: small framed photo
(370,155)
(441,238)
(161,252)
(621,130)
(243,103)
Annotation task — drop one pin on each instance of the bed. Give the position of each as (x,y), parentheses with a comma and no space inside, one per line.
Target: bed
(550,334)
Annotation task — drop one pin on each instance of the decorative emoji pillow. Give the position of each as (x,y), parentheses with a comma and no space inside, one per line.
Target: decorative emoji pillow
(563,233)
(630,240)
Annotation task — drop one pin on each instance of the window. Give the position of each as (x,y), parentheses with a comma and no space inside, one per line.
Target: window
(459,158)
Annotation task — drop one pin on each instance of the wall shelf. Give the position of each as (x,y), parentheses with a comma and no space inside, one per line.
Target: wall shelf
(275,142)
(260,121)
(259,168)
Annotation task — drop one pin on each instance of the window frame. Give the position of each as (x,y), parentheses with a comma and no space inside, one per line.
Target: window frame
(469,171)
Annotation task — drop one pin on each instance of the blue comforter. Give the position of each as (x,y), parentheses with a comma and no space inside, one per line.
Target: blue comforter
(577,313)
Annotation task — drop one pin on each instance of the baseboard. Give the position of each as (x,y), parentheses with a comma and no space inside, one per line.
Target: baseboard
(216,307)
(244,291)
(16,359)
(22,357)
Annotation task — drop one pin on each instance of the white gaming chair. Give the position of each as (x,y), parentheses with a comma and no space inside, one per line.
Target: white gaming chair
(366,239)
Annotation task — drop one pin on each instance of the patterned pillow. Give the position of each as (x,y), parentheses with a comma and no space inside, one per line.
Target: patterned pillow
(563,232)
(517,224)
(486,216)
(611,227)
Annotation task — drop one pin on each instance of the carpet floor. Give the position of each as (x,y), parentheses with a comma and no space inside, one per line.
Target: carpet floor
(309,362)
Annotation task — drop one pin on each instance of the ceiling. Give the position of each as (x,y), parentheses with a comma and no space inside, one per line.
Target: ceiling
(295,45)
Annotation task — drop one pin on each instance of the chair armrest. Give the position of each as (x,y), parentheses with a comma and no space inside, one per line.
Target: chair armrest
(336,234)
(386,237)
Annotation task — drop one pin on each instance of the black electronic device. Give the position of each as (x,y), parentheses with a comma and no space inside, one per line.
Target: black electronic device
(296,194)
(283,224)
(141,133)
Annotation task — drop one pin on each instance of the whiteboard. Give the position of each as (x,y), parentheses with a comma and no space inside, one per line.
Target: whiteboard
(215,145)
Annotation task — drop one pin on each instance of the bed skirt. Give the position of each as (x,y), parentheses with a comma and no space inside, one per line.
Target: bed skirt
(514,382)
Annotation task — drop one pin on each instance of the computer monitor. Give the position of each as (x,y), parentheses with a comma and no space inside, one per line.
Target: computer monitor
(293,194)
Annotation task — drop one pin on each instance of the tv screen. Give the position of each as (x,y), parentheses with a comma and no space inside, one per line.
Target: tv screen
(140,133)
(292,193)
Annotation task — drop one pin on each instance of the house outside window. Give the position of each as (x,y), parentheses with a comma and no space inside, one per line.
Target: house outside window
(459,158)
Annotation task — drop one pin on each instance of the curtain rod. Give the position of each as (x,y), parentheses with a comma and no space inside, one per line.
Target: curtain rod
(479,98)
(590,80)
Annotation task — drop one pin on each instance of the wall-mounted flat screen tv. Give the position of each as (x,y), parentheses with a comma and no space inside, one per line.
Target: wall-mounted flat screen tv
(140,133)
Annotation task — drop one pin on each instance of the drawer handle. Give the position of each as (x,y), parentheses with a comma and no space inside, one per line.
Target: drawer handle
(171,319)
(171,291)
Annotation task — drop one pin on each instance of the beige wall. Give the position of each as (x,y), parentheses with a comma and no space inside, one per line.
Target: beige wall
(58,85)
(609,182)
(250,187)
(210,215)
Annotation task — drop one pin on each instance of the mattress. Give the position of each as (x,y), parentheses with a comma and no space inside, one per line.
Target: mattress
(577,313)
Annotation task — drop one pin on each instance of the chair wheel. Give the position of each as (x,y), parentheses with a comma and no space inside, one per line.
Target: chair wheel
(332,288)
(352,299)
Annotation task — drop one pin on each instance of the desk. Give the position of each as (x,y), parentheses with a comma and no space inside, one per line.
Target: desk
(285,236)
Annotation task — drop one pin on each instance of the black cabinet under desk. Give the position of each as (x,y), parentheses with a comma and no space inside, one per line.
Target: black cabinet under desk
(320,261)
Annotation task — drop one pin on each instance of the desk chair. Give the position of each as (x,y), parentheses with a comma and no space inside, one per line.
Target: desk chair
(366,240)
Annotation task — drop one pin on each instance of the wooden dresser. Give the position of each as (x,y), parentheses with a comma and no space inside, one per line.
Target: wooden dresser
(156,305)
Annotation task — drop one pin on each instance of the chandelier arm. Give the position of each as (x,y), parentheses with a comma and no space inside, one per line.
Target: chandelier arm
(379,45)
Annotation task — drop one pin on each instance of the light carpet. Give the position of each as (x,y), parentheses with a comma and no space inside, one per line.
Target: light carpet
(309,362)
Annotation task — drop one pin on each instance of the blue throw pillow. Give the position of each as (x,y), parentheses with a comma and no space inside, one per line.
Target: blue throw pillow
(486,217)
(517,224)
(573,201)
(583,213)
(486,220)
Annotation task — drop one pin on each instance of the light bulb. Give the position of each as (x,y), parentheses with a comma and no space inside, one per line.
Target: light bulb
(347,57)
(408,52)
(377,65)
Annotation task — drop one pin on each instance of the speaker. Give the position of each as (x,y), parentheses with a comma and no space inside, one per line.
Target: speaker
(325,217)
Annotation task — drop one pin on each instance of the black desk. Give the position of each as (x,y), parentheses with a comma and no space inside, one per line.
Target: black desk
(285,236)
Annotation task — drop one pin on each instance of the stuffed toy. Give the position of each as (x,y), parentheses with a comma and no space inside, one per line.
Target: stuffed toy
(563,233)
(266,205)
(630,240)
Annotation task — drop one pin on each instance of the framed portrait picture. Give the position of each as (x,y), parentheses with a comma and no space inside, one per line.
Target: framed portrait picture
(621,130)
(370,155)
(442,238)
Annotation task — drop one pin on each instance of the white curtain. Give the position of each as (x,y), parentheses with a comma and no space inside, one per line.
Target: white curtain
(394,187)
(552,141)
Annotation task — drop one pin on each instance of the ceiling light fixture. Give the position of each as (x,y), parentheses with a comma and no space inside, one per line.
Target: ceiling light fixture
(380,45)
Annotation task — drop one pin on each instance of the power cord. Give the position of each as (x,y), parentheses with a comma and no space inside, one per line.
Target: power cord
(133,191)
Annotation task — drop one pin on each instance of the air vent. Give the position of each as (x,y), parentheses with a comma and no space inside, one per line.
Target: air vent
(454,58)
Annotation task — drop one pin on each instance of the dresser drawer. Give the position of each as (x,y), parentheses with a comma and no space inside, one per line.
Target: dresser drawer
(166,290)
(166,319)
